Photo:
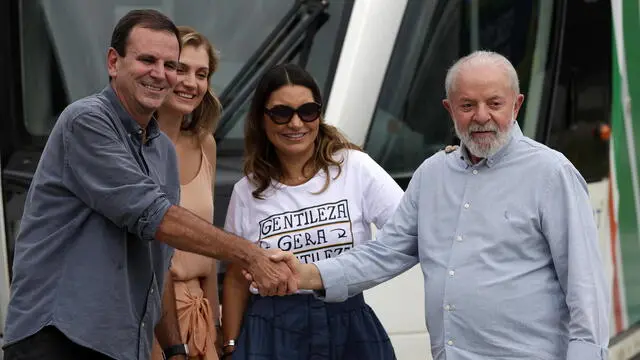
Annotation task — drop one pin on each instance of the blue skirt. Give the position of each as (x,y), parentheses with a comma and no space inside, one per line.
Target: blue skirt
(301,327)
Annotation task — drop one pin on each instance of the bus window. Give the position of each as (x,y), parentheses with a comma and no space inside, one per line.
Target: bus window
(323,55)
(64,44)
(581,114)
(410,123)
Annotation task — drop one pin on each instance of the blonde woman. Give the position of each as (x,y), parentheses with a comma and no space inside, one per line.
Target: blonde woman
(188,117)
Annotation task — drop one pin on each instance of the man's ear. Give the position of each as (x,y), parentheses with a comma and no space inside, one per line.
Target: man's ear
(517,105)
(447,105)
(112,62)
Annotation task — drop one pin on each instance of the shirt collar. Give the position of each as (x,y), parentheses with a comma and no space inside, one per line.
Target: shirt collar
(130,125)
(514,135)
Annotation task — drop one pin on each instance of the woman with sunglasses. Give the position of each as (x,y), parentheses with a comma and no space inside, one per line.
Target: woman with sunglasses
(307,190)
(189,117)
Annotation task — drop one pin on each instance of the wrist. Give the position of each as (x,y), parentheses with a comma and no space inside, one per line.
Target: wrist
(310,278)
(228,347)
(176,352)
(178,357)
(251,255)
(229,343)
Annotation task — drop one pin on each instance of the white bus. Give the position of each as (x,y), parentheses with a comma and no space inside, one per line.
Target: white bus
(381,65)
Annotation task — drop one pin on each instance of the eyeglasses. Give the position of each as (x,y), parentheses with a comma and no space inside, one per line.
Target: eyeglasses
(282,114)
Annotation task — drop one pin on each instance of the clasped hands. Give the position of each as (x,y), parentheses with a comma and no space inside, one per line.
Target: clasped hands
(279,273)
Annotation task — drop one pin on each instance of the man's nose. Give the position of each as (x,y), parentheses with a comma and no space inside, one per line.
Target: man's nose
(482,114)
(157,71)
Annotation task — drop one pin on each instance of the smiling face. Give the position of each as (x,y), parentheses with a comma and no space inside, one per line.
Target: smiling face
(296,138)
(483,106)
(193,80)
(146,75)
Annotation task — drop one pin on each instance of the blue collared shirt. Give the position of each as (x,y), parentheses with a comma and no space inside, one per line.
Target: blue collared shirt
(85,259)
(509,252)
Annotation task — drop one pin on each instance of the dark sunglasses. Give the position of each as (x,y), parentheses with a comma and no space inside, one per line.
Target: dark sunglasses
(282,114)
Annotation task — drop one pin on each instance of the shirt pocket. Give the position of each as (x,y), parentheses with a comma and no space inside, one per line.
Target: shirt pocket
(517,219)
(518,234)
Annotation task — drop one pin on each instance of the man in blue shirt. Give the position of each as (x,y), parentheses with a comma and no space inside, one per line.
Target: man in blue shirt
(504,233)
(101,214)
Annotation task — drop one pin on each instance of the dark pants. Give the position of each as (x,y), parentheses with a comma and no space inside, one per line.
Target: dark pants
(49,344)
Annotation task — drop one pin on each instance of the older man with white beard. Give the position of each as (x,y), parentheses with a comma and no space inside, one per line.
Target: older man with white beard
(503,230)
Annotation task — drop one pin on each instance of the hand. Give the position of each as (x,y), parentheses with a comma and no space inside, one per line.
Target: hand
(273,277)
(287,257)
(276,255)
(307,274)
(450,148)
(218,340)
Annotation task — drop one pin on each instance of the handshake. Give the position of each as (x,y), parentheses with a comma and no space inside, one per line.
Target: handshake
(278,273)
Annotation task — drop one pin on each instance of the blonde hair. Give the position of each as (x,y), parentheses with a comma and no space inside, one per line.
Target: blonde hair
(204,118)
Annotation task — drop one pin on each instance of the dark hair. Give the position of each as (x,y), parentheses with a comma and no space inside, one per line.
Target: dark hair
(146,18)
(204,118)
(261,162)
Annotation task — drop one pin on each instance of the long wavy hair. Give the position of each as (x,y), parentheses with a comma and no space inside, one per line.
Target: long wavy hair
(204,118)
(262,164)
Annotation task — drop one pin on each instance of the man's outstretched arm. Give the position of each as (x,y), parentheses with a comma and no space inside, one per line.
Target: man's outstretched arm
(353,272)
(369,264)
(133,201)
(185,231)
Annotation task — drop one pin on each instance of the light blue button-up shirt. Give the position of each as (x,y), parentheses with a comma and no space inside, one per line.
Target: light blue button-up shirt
(509,252)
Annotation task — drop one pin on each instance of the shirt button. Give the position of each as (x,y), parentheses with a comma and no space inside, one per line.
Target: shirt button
(451,272)
(450,342)
(475,172)
(447,307)
(139,131)
(466,206)
(459,238)
(143,324)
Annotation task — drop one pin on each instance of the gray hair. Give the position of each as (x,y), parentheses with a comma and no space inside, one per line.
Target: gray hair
(478,58)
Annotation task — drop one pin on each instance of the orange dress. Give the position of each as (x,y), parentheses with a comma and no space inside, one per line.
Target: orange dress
(188,270)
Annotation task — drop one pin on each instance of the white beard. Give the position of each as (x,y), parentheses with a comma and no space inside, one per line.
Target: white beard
(484,149)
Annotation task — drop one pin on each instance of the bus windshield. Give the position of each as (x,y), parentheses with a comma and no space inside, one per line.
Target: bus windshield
(64,44)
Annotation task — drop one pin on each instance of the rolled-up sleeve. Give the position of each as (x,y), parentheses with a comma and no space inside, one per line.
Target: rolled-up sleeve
(102,172)
(569,226)
(374,262)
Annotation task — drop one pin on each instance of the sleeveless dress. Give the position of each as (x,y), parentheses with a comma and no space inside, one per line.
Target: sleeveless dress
(195,314)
